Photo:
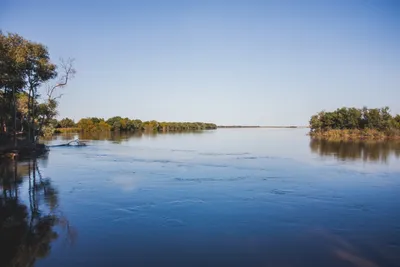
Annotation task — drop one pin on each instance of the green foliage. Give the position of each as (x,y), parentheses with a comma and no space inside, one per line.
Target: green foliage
(28,67)
(93,125)
(185,126)
(396,121)
(48,130)
(66,123)
(375,122)
(12,61)
(119,124)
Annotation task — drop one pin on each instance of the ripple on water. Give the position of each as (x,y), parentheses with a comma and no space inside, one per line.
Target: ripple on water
(135,209)
(223,154)
(211,179)
(280,192)
(185,201)
(247,158)
(272,178)
(183,150)
(168,222)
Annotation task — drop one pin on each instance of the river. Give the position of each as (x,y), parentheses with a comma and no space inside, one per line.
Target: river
(229,197)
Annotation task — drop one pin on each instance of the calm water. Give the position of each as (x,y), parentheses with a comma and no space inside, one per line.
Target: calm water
(231,197)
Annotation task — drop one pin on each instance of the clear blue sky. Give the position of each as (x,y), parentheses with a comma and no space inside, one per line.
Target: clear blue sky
(228,62)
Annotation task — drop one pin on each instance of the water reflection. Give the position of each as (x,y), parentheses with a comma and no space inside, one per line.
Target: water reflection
(116,137)
(342,249)
(356,150)
(27,228)
(189,202)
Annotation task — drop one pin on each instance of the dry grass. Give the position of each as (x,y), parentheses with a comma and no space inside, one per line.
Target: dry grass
(366,134)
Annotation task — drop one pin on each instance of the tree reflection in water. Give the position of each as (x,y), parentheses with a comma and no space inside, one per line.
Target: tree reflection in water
(356,150)
(115,137)
(27,227)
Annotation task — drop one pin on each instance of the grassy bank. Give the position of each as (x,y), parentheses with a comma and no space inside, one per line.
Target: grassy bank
(356,134)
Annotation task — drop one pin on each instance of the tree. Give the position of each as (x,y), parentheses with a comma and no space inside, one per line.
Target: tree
(22,107)
(397,118)
(115,123)
(315,122)
(86,125)
(11,77)
(37,69)
(93,125)
(353,118)
(67,123)
(25,67)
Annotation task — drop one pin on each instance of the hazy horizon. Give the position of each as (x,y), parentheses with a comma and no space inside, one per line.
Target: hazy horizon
(226,62)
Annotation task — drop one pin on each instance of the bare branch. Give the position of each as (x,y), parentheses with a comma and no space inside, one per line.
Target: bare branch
(58,97)
(68,72)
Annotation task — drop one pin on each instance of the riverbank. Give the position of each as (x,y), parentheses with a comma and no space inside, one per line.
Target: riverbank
(23,149)
(356,134)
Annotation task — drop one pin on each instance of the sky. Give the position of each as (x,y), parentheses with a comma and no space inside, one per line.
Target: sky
(228,62)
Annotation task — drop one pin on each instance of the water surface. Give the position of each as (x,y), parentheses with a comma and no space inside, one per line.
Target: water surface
(230,197)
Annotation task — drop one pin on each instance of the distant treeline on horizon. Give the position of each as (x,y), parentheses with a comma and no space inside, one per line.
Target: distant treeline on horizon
(94,124)
(256,126)
(118,123)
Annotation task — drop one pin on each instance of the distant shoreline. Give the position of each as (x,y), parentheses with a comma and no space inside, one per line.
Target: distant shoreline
(258,126)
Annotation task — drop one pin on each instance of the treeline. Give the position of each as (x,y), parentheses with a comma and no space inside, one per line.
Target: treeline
(353,122)
(127,125)
(238,126)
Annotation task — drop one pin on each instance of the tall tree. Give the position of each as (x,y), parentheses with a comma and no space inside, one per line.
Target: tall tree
(25,66)
(37,69)
(11,75)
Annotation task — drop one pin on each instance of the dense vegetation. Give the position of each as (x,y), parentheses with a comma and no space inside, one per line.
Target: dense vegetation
(375,123)
(27,107)
(127,125)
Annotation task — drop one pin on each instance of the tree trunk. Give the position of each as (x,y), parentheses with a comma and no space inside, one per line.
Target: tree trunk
(40,129)
(29,113)
(33,122)
(15,118)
